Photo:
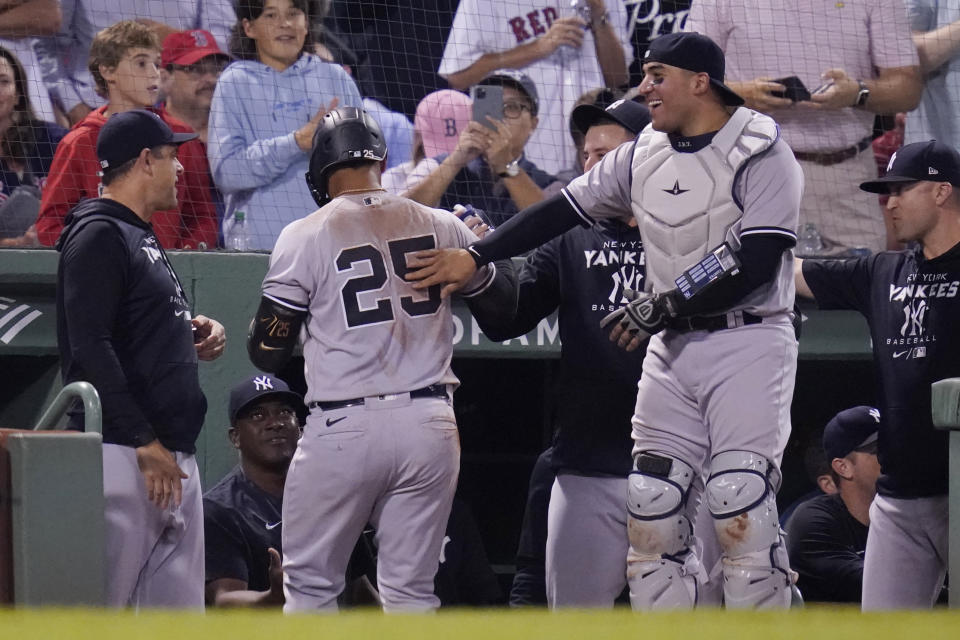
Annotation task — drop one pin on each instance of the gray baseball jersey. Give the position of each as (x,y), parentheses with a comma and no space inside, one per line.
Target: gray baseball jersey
(762,194)
(368,332)
(381,442)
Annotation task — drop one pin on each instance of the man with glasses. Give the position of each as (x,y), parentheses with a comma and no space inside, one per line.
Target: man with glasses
(488,168)
(191,64)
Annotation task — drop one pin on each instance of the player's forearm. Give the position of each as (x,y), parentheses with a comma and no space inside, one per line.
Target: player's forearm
(495,310)
(609,51)
(516,58)
(429,190)
(937,47)
(894,90)
(36,18)
(760,257)
(528,229)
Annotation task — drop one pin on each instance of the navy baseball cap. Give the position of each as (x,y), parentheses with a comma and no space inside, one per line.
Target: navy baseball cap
(126,134)
(931,160)
(630,115)
(257,387)
(693,52)
(851,430)
(519,81)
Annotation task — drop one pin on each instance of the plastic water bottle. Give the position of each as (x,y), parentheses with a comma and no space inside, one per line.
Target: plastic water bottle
(238,236)
(565,54)
(809,242)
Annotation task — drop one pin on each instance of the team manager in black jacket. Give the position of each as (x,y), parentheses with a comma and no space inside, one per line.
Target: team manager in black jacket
(124,325)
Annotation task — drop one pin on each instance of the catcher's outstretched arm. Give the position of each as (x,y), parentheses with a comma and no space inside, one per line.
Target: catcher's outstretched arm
(273,333)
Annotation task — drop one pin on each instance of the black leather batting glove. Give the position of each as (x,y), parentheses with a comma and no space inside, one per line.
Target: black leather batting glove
(645,314)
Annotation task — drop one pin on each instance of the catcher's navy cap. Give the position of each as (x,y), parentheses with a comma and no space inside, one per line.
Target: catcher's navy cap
(630,115)
(931,160)
(693,52)
(519,81)
(851,430)
(126,134)
(258,387)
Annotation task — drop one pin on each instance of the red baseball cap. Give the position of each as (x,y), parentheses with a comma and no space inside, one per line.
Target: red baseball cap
(187,47)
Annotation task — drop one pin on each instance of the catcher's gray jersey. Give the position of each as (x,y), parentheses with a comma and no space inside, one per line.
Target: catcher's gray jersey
(688,203)
(368,332)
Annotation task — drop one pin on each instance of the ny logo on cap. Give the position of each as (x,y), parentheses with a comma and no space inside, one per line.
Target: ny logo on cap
(199,39)
(892,159)
(262,383)
(875,414)
(615,104)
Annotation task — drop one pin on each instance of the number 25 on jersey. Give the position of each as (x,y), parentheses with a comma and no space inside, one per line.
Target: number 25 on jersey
(378,280)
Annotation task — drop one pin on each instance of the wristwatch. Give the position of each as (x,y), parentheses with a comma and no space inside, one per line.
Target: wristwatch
(863,95)
(511,170)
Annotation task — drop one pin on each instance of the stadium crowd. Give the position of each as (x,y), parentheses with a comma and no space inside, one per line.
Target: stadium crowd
(491,109)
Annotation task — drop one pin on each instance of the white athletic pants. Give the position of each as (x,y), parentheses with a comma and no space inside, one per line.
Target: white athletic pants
(392,463)
(906,557)
(153,558)
(587,544)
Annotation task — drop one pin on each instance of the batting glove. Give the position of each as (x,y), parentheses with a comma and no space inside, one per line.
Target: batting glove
(645,314)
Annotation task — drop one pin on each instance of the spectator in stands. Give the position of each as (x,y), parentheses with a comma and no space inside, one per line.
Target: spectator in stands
(191,64)
(265,110)
(861,57)
(566,51)
(827,534)
(441,117)
(27,145)
(124,60)
(489,168)
(63,56)
(936,33)
(20,22)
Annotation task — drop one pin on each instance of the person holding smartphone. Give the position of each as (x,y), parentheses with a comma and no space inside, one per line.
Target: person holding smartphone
(488,168)
(857,61)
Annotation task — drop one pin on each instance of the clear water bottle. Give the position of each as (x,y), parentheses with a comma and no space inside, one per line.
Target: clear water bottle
(565,54)
(809,242)
(238,235)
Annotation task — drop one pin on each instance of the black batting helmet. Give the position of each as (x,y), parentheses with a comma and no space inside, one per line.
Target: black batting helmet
(345,135)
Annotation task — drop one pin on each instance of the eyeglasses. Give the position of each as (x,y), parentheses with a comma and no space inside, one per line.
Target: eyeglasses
(514,110)
(201,68)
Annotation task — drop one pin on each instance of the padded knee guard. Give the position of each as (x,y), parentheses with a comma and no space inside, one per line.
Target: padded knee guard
(661,568)
(741,497)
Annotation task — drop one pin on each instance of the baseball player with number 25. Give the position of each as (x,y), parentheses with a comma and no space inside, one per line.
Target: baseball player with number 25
(381,442)
(716,194)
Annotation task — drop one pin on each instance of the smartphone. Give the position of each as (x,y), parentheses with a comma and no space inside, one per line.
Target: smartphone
(487,101)
(794,89)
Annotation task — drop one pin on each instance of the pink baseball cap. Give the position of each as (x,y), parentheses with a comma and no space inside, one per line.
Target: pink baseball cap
(187,47)
(441,117)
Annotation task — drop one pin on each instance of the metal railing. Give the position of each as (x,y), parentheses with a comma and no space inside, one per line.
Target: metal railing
(93,414)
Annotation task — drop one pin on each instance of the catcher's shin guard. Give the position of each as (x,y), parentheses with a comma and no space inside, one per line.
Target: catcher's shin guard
(662,569)
(740,494)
